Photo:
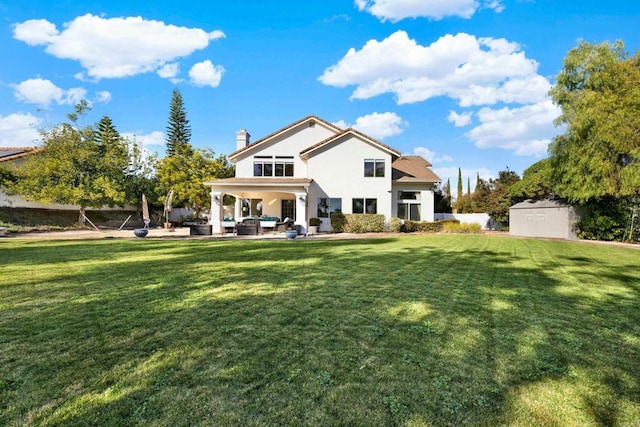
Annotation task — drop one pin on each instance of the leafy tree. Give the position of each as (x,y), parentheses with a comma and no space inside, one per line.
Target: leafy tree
(186,171)
(178,129)
(141,174)
(481,195)
(442,198)
(79,165)
(599,153)
(536,183)
(494,196)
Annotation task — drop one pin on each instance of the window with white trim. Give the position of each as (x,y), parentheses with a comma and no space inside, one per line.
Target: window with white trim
(409,205)
(359,206)
(268,166)
(373,168)
(327,206)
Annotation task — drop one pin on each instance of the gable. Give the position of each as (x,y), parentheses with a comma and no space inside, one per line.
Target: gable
(289,140)
(345,136)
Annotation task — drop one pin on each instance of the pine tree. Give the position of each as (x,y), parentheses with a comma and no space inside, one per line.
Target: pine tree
(178,129)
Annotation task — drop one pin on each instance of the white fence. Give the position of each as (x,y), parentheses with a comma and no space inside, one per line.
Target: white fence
(483,219)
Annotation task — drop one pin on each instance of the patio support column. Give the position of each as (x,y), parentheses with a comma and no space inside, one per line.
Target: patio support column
(238,209)
(216,211)
(301,211)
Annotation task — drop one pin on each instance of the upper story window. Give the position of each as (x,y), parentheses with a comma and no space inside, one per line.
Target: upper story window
(268,166)
(374,167)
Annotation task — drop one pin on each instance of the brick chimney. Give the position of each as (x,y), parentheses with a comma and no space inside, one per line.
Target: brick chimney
(242,139)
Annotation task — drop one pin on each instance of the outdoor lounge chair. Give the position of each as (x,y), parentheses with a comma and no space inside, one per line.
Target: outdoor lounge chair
(228,226)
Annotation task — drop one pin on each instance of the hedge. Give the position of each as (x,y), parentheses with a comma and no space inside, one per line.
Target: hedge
(427,227)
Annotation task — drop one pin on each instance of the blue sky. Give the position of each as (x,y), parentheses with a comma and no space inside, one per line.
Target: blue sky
(461,82)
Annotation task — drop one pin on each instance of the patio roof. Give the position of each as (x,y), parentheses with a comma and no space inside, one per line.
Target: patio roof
(257,182)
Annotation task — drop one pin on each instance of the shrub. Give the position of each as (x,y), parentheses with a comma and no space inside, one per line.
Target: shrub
(427,227)
(395,225)
(364,223)
(606,219)
(337,222)
(314,222)
(452,227)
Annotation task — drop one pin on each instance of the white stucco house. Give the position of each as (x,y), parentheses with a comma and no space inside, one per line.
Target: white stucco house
(312,168)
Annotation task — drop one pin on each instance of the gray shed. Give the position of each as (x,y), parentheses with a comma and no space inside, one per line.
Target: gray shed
(543,218)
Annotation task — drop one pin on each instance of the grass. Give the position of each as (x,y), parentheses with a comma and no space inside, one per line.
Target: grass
(414,330)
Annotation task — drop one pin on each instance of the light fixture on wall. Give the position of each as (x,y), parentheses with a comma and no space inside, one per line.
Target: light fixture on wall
(302,198)
(216,197)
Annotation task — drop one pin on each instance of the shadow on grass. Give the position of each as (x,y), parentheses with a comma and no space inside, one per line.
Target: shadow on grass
(425,330)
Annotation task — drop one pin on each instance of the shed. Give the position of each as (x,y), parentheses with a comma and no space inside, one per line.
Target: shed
(544,218)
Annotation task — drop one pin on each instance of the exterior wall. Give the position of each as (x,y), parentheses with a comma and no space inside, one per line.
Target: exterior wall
(338,172)
(555,222)
(482,219)
(288,144)
(427,200)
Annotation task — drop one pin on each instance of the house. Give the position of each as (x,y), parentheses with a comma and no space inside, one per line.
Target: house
(544,218)
(312,168)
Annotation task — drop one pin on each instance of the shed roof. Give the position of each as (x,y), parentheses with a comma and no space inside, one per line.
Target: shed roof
(541,204)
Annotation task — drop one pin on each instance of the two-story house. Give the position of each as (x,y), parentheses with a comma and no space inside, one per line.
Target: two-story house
(312,168)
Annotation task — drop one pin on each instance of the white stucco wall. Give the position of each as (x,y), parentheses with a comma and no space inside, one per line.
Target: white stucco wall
(338,172)
(288,144)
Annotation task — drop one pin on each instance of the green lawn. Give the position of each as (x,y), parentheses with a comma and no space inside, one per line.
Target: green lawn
(413,330)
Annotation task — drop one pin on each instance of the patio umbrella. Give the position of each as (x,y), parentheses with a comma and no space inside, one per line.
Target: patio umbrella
(145,211)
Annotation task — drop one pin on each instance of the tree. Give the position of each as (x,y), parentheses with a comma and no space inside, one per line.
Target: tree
(598,91)
(79,166)
(178,129)
(185,174)
(442,198)
(493,197)
(536,183)
(459,195)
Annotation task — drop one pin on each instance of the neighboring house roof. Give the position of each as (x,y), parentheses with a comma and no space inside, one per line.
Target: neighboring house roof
(541,204)
(413,169)
(259,181)
(304,120)
(384,147)
(12,153)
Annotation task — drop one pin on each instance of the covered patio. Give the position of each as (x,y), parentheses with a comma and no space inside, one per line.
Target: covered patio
(259,198)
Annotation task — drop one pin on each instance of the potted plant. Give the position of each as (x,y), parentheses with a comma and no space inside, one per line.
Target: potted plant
(291,233)
(314,223)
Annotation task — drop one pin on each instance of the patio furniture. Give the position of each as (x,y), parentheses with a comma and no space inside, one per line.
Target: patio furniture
(228,226)
(247,229)
(267,224)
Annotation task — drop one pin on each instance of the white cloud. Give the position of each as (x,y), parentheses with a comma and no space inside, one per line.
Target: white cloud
(431,155)
(19,130)
(206,74)
(169,70)
(396,10)
(43,92)
(103,97)
(459,120)
(377,125)
(525,130)
(115,47)
(151,139)
(470,70)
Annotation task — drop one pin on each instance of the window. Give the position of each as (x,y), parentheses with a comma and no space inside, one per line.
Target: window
(374,168)
(409,211)
(266,166)
(369,206)
(288,209)
(328,206)
(408,195)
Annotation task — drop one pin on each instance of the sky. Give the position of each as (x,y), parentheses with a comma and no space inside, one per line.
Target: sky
(462,83)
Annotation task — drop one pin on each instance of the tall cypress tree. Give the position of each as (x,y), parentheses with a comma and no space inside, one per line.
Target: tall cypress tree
(459,197)
(178,129)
